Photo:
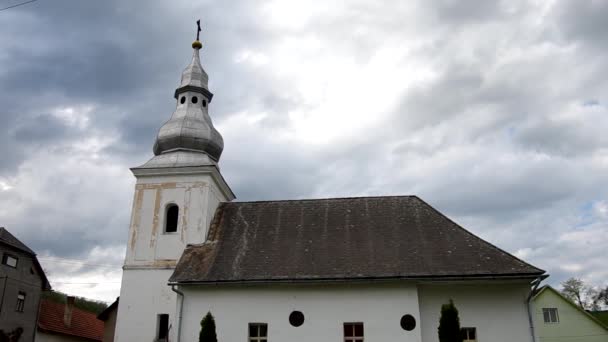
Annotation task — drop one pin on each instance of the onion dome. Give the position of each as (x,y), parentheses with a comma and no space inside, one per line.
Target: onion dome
(190,130)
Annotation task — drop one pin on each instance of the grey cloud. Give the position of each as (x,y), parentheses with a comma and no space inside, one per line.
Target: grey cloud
(40,129)
(470,11)
(571,139)
(583,21)
(466,140)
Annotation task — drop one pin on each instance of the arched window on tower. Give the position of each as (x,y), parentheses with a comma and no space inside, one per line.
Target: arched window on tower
(171,217)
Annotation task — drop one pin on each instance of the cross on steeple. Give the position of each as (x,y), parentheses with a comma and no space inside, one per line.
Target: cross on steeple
(198,24)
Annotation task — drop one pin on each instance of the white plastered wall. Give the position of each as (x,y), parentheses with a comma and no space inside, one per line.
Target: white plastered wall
(143,296)
(197,197)
(325,307)
(497,311)
(152,253)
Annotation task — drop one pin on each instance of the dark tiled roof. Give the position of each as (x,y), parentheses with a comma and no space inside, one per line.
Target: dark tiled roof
(340,239)
(84,324)
(8,238)
(105,314)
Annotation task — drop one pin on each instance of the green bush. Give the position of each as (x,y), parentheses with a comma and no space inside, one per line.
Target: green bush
(82,303)
(449,324)
(207,333)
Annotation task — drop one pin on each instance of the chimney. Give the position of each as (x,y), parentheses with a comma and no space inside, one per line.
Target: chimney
(67,313)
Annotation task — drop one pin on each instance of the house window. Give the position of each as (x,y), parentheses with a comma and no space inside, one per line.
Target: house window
(163,327)
(550,315)
(20,302)
(468,334)
(9,260)
(258,332)
(353,332)
(171,218)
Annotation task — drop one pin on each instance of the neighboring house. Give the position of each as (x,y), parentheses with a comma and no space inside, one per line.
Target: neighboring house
(556,318)
(108,316)
(60,322)
(343,269)
(21,282)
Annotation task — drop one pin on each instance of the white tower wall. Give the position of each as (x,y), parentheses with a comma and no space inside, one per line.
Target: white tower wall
(152,253)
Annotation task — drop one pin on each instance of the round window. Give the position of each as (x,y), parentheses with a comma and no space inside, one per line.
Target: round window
(182,100)
(296,318)
(194,99)
(408,322)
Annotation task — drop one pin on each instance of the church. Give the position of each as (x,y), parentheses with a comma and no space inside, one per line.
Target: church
(336,269)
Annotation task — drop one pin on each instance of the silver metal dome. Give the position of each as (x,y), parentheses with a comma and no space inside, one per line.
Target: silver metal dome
(190,127)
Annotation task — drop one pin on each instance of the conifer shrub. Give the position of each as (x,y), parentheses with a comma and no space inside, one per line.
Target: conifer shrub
(449,324)
(207,333)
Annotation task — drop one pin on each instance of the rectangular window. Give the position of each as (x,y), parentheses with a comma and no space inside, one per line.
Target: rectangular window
(550,315)
(353,332)
(163,327)
(468,334)
(20,302)
(258,332)
(9,260)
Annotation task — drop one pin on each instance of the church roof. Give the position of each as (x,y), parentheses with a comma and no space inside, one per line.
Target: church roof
(341,239)
(189,137)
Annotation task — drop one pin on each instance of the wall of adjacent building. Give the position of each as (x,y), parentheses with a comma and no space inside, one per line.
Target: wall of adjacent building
(110,326)
(497,311)
(46,337)
(12,281)
(573,325)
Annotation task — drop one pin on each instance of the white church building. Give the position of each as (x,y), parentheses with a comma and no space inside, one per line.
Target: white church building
(329,270)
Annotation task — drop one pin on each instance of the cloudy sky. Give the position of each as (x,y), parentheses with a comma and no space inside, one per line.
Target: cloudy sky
(495,112)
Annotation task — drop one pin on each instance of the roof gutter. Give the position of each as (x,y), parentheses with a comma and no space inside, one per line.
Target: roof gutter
(179,315)
(536,282)
(359,280)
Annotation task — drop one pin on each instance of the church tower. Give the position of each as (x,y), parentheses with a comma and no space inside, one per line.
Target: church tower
(176,195)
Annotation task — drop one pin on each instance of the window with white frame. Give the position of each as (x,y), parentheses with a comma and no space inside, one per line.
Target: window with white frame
(258,332)
(20,302)
(550,315)
(468,334)
(353,332)
(9,260)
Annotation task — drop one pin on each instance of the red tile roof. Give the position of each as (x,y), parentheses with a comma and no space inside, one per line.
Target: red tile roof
(84,324)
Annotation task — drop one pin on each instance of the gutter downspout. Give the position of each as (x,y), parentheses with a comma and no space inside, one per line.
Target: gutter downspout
(179,315)
(536,282)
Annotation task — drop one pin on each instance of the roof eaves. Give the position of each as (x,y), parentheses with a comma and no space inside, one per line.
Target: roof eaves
(516,276)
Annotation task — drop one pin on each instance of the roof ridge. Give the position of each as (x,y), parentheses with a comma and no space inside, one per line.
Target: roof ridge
(8,238)
(323,199)
(477,237)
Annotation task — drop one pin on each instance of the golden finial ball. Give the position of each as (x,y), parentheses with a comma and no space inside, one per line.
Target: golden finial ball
(196,44)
